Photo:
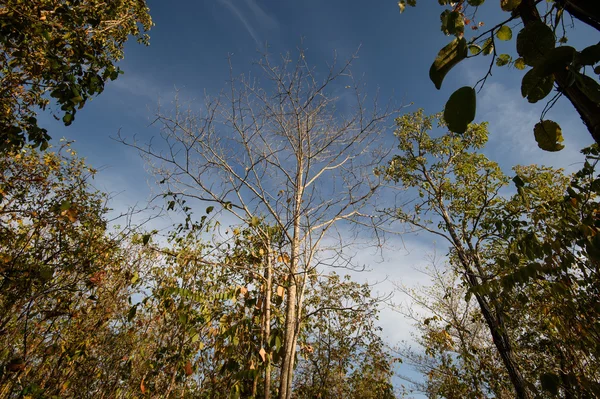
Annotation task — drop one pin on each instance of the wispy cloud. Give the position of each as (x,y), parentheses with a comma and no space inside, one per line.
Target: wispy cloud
(262,17)
(251,15)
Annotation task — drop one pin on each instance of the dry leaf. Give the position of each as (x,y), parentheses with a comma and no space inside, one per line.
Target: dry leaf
(280,290)
(142,386)
(188,368)
(262,354)
(71,214)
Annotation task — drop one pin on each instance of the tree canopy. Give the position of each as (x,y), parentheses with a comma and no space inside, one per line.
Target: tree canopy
(59,52)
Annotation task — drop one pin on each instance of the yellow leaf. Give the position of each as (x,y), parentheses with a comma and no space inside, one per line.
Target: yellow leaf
(280,290)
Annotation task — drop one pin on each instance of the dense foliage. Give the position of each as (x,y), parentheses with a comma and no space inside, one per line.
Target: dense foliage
(60,49)
(90,311)
(516,311)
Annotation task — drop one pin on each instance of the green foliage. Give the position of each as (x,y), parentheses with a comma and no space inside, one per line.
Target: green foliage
(533,256)
(535,87)
(61,49)
(504,33)
(342,353)
(548,136)
(536,45)
(447,58)
(534,42)
(87,311)
(460,109)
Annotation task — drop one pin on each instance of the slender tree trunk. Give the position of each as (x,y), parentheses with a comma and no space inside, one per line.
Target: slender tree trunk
(287,367)
(495,322)
(267,326)
(289,341)
(502,343)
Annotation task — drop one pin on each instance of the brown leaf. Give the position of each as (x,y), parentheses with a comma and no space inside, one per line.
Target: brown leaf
(280,290)
(188,368)
(16,365)
(71,214)
(262,354)
(142,386)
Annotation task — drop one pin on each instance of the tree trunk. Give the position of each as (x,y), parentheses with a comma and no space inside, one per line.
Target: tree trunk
(588,110)
(495,321)
(289,341)
(267,326)
(502,343)
(587,11)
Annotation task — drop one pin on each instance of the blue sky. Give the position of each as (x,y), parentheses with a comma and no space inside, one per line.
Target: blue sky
(188,52)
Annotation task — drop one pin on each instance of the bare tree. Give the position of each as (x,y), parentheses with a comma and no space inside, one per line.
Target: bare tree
(297,153)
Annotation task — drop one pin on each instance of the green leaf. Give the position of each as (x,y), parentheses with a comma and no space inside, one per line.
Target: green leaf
(504,33)
(146,239)
(548,136)
(535,87)
(509,5)
(452,23)
(254,221)
(132,312)
(488,46)
(503,59)
(589,55)
(520,64)
(555,60)
(534,41)
(68,118)
(46,273)
(210,209)
(447,58)
(460,109)
(474,49)
(475,3)
(518,181)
